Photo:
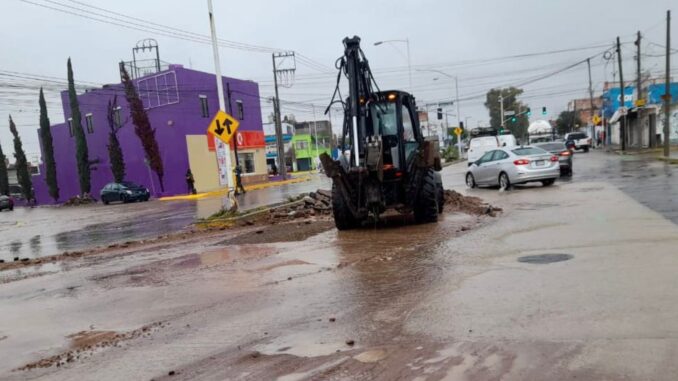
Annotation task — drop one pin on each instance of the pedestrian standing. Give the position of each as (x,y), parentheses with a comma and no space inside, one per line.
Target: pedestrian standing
(190,182)
(238,180)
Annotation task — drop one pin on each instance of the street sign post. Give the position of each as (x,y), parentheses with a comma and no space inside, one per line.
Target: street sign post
(458,132)
(509,113)
(223,126)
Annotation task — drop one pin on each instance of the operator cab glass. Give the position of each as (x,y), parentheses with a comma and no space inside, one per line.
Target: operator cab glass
(384,117)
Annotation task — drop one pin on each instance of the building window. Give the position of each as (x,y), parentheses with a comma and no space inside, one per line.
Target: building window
(302,145)
(204,109)
(117,119)
(70,126)
(241,110)
(89,123)
(246,162)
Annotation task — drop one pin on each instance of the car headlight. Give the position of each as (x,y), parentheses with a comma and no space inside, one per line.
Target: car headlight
(147,191)
(128,191)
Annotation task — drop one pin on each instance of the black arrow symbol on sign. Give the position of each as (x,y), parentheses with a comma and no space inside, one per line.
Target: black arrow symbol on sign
(219,130)
(228,123)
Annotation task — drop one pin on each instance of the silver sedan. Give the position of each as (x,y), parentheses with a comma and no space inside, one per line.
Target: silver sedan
(513,165)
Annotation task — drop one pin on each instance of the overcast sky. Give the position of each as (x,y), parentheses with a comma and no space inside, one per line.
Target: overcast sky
(466,39)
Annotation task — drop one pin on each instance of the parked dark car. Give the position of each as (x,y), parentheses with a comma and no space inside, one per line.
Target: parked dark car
(564,154)
(6,202)
(124,192)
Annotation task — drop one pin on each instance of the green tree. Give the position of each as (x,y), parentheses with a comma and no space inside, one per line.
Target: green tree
(48,150)
(22,173)
(567,121)
(511,103)
(142,127)
(4,176)
(114,150)
(81,151)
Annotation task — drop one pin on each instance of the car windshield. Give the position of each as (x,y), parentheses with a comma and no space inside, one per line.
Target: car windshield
(524,151)
(484,142)
(129,184)
(552,146)
(384,118)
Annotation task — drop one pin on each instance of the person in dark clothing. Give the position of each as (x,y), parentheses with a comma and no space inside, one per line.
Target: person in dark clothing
(274,169)
(190,182)
(238,180)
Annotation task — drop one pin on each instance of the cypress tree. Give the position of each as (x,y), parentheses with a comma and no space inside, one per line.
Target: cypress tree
(114,151)
(81,152)
(21,164)
(142,127)
(4,177)
(48,150)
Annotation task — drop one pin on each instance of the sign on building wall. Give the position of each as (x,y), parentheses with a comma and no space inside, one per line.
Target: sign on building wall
(221,162)
(612,99)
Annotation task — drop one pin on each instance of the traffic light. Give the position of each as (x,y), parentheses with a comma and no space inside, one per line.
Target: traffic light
(501,131)
(440,113)
(513,119)
(543,110)
(529,112)
(461,125)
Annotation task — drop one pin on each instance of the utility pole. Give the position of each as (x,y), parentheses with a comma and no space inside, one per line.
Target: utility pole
(501,108)
(593,111)
(230,112)
(278,125)
(456,92)
(315,127)
(667,88)
(220,146)
(622,119)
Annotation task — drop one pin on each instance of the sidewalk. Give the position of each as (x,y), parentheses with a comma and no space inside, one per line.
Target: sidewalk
(306,176)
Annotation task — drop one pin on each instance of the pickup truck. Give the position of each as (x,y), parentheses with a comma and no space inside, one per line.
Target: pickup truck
(580,140)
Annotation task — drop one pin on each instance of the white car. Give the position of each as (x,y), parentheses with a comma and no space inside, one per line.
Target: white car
(580,140)
(515,165)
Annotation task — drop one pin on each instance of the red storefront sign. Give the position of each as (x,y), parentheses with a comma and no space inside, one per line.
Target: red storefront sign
(245,140)
(250,139)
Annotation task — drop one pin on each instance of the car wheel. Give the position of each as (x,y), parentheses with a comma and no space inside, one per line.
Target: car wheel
(104,200)
(470,181)
(504,182)
(548,183)
(123,199)
(586,149)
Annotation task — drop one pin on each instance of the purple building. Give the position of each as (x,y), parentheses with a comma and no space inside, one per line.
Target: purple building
(180,104)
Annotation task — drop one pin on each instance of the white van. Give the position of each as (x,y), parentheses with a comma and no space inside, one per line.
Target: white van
(478,146)
(507,141)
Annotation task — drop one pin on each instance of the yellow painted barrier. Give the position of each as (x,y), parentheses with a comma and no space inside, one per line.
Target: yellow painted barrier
(223,191)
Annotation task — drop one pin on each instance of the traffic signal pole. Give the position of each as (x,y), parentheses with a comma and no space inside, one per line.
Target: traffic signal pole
(220,92)
(667,88)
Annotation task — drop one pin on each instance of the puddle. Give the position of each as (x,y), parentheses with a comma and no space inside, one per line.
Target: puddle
(545,258)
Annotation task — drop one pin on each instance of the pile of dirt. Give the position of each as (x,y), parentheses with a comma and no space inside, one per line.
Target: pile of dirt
(456,202)
(316,203)
(86,343)
(78,200)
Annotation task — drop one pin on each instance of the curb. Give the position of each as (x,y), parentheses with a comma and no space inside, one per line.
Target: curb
(248,213)
(670,160)
(223,192)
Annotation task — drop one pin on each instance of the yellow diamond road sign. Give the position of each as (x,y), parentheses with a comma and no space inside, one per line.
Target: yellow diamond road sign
(223,126)
(596,120)
(458,131)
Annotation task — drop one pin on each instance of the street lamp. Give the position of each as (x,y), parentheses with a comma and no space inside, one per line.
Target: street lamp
(409,62)
(456,88)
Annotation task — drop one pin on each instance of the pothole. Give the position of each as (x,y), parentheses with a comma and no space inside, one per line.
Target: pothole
(542,259)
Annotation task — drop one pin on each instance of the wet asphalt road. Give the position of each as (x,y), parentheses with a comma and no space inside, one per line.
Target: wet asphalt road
(43,231)
(463,299)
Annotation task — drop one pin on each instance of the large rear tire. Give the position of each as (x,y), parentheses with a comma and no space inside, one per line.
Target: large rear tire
(426,205)
(343,218)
